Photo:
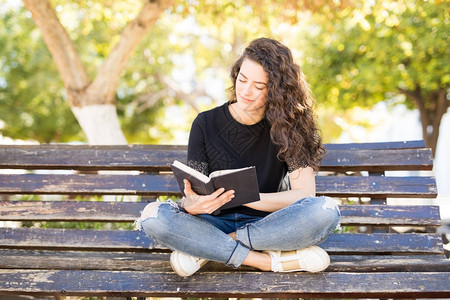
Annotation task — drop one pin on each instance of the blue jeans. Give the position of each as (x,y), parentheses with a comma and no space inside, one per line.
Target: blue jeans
(304,223)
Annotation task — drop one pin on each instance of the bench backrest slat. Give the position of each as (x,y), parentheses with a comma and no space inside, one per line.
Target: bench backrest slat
(378,160)
(377,145)
(154,185)
(98,211)
(153,159)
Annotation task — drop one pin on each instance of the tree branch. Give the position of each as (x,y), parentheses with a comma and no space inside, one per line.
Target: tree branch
(105,83)
(414,95)
(148,100)
(60,45)
(189,98)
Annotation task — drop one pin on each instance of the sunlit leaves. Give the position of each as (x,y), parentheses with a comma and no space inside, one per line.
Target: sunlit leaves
(354,53)
(378,48)
(31,92)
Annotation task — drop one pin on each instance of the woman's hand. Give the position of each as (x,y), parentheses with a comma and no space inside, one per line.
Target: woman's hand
(196,204)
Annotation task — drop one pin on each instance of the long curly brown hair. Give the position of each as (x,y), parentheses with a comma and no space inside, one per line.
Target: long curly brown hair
(290,105)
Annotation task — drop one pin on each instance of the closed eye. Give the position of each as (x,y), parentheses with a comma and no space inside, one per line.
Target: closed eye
(242,78)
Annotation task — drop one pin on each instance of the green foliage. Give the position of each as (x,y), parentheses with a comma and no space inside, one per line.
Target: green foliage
(364,55)
(140,81)
(353,53)
(31,93)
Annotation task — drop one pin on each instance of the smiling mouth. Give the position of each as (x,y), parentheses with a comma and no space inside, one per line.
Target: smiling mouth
(245,99)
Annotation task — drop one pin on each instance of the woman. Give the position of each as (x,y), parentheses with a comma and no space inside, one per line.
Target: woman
(268,123)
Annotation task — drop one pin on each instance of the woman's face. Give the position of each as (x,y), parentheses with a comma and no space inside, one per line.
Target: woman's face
(251,86)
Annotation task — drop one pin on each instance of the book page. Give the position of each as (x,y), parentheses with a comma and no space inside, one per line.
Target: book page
(223,172)
(191,171)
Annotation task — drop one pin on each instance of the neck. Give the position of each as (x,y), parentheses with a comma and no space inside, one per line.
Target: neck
(246,117)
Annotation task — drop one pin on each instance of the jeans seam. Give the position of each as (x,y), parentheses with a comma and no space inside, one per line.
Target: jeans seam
(248,237)
(234,250)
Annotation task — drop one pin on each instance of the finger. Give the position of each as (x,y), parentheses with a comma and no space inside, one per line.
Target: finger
(226,197)
(218,202)
(217,193)
(187,188)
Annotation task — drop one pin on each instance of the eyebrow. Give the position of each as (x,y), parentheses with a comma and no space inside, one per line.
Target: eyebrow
(259,82)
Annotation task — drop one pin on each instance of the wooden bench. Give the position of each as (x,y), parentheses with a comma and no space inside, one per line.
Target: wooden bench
(98,253)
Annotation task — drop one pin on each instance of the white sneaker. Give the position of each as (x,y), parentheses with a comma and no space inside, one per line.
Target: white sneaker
(311,259)
(185,265)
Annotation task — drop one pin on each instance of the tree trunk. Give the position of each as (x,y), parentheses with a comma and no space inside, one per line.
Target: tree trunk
(432,107)
(93,120)
(93,103)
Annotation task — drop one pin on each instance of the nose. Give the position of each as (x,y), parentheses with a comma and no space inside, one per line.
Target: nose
(247,89)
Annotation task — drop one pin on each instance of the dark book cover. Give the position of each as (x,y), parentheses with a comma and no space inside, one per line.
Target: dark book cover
(243,181)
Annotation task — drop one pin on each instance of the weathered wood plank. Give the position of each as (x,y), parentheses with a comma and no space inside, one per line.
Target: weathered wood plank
(389,263)
(71,239)
(89,184)
(84,157)
(378,160)
(153,185)
(85,260)
(152,158)
(390,215)
(79,211)
(384,243)
(226,284)
(377,145)
(119,240)
(94,211)
(159,262)
(376,186)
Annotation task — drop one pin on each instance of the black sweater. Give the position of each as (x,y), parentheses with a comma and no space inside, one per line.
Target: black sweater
(217,141)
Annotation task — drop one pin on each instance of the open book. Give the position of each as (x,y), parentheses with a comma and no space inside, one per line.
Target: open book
(243,181)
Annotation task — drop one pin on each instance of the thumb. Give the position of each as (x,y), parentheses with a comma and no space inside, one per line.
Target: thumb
(187,187)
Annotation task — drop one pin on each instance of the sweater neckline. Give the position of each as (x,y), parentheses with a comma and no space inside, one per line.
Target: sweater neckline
(230,116)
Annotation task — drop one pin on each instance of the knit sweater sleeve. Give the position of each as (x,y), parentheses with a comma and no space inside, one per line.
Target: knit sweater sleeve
(197,156)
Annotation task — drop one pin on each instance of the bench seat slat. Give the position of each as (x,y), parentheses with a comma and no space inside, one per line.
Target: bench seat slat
(120,240)
(153,159)
(96,211)
(237,284)
(159,262)
(388,263)
(151,185)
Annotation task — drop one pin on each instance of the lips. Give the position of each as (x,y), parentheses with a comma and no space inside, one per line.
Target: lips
(245,99)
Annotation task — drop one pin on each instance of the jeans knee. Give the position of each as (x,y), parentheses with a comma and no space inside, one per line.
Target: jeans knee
(150,211)
(326,210)
(329,203)
(331,210)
